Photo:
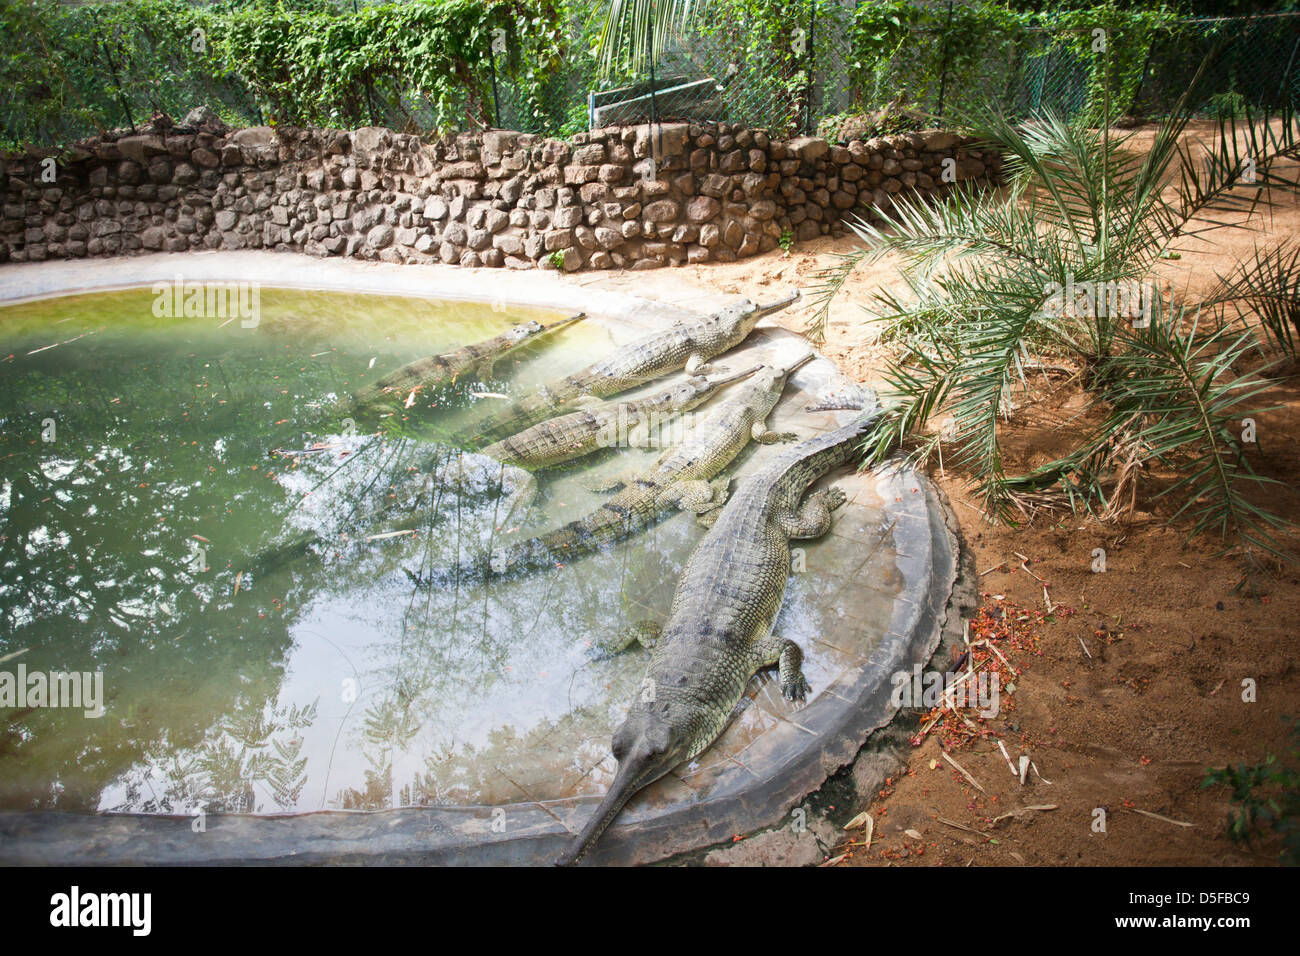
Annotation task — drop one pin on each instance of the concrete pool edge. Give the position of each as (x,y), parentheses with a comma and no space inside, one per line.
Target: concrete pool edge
(33,281)
(534,832)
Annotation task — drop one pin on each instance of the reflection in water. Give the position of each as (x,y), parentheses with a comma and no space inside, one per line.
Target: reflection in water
(216,528)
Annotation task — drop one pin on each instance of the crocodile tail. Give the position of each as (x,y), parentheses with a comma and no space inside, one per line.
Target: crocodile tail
(619,517)
(553,548)
(616,519)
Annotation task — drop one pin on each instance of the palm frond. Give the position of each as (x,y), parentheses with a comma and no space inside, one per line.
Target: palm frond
(830,282)
(637,32)
(1267,289)
(1182,390)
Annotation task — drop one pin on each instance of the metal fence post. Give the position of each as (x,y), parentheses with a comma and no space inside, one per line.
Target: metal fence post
(654,102)
(496,99)
(808,89)
(1286,75)
(943,69)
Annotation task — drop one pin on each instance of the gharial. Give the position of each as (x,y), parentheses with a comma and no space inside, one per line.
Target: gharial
(687,344)
(719,629)
(619,422)
(684,476)
(476,359)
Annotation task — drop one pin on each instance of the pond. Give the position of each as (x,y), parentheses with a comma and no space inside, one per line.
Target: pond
(196,511)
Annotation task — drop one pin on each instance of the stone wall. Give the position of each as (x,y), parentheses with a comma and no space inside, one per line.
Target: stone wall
(631,197)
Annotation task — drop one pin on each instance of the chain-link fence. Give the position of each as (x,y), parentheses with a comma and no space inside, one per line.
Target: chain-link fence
(817,80)
(805,74)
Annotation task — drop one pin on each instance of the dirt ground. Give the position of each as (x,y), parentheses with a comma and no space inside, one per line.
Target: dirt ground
(1136,686)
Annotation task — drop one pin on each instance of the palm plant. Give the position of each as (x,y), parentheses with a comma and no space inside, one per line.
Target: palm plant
(636,32)
(980,305)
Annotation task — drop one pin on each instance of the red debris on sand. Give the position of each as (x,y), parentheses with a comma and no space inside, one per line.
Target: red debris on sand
(1000,633)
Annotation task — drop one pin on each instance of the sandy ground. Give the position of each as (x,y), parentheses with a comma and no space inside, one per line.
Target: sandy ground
(1136,686)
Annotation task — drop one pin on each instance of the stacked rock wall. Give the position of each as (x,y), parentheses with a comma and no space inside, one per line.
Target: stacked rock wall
(631,197)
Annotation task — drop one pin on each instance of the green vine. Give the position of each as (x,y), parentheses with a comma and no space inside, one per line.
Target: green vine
(933,40)
(421,64)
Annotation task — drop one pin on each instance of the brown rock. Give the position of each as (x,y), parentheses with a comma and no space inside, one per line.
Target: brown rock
(808,148)
(716,185)
(702,209)
(733,234)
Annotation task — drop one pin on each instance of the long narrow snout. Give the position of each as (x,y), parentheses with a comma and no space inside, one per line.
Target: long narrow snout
(632,775)
(736,377)
(762,310)
(800,363)
(562,323)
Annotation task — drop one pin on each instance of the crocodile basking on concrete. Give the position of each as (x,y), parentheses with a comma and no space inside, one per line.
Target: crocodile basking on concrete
(684,344)
(509,464)
(719,628)
(606,425)
(684,476)
(469,360)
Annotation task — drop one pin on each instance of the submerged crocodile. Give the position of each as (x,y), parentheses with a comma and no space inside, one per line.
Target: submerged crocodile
(509,464)
(684,344)
(719,628)
(684,476)
(476,359)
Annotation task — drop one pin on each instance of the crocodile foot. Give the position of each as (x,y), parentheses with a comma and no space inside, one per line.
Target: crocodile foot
(709,518)
(789,661)
(602,483)
(796,687)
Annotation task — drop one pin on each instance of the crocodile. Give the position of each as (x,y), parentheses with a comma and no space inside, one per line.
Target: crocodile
(476,359)
(684,344)
(719,628)
(684,476)
(579,433)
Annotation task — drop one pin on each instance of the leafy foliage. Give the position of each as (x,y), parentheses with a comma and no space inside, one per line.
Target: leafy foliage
(635,32)
(424,64)
(1267,797)
(994,286)
(970,40)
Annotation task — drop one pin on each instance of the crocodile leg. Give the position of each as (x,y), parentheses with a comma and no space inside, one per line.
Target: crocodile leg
(698,364)
(698,495)
(522,487)
(764,437)
(789,660)
(646,633)
(598,483)
(814,518)
(464,476)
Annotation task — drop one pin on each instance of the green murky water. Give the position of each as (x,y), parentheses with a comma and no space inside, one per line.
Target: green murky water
(146,535)
(136,487)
